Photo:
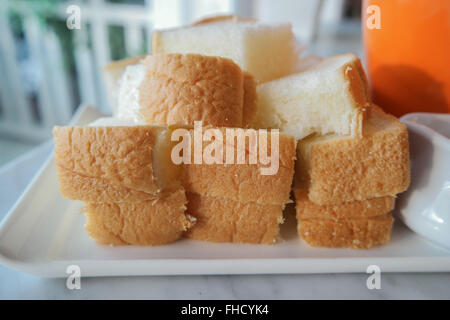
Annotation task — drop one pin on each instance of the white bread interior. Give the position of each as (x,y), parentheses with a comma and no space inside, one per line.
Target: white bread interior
(266,51)
(111,76)
(327,98)
(128,106)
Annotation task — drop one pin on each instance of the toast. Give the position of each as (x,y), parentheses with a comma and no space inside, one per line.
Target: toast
(175,89)
(225,220)
(330,97)
(122,158)
(336,169)
(244,182)
(147,223)
(354,233)
(79,187)
(266,51)
(306,209)
(180,89)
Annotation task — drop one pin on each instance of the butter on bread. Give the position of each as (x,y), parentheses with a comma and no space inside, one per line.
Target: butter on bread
(266,51)
(356,233)
(180,89)
(330,97)
(152,222)
(244,182)
(226,220)
(133,157)
(337,169)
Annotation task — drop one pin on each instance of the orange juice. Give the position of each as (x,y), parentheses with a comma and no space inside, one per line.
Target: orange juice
(407,46)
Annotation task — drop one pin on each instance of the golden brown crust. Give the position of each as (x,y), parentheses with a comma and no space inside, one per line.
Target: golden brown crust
(346,233)
(360,93)
(342,169)
(120,156)
(358,88)
(147,223)
(306,209)
(250,107)
(244,183)
(180,89)
(77,187)
(225,220)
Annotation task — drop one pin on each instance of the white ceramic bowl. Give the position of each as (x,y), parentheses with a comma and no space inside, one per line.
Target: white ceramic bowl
(425,207)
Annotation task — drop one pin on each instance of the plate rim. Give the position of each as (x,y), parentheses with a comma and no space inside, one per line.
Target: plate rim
(217,266)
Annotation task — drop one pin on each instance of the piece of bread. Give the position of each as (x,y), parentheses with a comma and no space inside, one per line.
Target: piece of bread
(336,169)
(78,187)
(225,220)
(180,89)
(266,51)
(111,75)
(244,182)
(355,233)
(175,89)
(306,209)
(153,222)
(134,157)
(330,97)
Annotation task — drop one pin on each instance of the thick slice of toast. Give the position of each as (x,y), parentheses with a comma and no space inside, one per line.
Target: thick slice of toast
(244,182)
(197,88)
(355,233)
(180,89)
(147,223)
(336,169)
(266,51)
(225,220)
(330,97)
(136,158)
(306,209)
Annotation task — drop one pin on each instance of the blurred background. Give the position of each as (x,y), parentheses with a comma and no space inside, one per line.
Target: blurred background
(48,70)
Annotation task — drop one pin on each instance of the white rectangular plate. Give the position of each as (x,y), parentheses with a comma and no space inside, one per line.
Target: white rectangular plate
(43,234)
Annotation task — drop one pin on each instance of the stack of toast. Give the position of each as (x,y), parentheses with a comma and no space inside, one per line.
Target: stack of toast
(123,176)
(235,77)
(345,188)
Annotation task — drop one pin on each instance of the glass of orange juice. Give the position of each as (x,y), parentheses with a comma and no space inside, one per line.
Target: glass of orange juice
(407,48)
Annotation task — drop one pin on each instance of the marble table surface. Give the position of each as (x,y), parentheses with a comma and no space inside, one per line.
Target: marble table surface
(16,175)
